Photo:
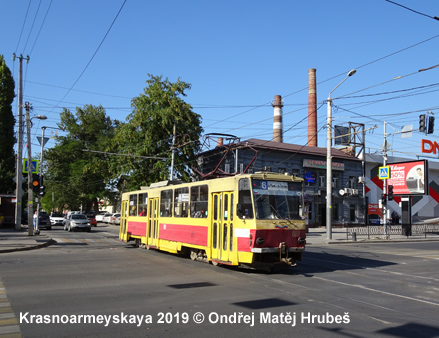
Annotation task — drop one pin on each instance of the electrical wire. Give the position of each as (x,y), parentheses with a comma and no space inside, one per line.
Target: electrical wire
(42,24)
(412,10)
(24,24)
(94,54)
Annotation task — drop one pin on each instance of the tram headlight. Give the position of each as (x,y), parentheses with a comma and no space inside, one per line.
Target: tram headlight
(259,241)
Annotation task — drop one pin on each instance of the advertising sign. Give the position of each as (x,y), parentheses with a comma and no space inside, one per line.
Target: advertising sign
(374,209)
(409,178)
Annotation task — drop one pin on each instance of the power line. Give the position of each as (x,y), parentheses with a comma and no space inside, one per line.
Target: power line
(42,24)
(97,49)
(33,22)
(22,27)
(412,10)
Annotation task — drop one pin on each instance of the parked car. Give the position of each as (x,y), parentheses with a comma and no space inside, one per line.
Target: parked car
(92,219)
(99,217)
(56,218)
(77,221)
(115,219)
(44,221)
(107,217)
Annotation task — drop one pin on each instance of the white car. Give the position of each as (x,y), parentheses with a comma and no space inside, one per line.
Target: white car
(107,217)
(115,219)
(99,217)
(56,219)
(76,222)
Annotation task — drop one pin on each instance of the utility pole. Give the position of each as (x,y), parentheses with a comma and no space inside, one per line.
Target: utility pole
(385,183)
(173,154)
(30,195)
(19,164)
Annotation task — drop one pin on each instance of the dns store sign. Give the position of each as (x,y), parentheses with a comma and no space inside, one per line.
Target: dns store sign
(429,146)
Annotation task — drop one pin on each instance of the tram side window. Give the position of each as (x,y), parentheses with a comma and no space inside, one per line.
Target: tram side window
(143,204)
(181,202)
(166,203)
(199,201)
(245,207)
(133,205)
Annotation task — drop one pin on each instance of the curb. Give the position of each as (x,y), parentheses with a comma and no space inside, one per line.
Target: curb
(33,247)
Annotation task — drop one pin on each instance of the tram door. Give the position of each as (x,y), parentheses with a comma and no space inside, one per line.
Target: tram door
(123,221)
(222,226)
(153,222)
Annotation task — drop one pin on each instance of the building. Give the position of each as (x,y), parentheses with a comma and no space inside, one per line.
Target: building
(303,161)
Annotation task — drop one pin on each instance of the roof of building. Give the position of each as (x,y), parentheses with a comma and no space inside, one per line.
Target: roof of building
(295,148)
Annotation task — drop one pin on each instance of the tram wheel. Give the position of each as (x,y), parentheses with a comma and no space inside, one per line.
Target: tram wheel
(194,255)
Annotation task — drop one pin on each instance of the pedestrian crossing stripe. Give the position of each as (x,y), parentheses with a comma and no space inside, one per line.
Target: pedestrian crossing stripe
(8,321)
(384,173)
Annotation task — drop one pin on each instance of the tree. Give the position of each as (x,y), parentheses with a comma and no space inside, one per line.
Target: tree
(148,132)
(7,122)
(76,176)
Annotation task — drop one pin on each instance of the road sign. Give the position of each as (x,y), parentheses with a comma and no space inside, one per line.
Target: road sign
(34,166)
(384,173)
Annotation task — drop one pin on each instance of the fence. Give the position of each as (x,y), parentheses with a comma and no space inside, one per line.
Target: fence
(391,230)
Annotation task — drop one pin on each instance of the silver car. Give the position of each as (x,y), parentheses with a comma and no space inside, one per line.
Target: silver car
(77,221)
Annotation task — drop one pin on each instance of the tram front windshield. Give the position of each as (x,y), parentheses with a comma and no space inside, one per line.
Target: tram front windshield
(277,200)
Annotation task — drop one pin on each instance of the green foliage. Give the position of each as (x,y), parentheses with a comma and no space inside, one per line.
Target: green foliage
(7,122)
(148,132)
(76,176)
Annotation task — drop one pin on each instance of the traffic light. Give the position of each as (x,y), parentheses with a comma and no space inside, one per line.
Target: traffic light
(422,123)
(430,128)
(390,192)
(36,183)
(42,186)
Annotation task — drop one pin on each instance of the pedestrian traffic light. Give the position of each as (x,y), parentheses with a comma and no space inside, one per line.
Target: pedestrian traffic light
(36,183)
(42,191)
(422,123)
(430,128)
(390,192)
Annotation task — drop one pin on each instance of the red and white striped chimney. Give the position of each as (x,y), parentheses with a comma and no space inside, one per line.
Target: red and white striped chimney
(277,119)
(312,108)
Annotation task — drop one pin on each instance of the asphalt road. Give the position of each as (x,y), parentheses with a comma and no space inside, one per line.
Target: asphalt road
(359,290)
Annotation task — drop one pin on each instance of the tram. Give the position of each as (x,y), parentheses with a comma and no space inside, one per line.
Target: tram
(248,220)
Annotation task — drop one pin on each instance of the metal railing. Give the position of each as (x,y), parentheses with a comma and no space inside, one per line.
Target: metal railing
(392,230)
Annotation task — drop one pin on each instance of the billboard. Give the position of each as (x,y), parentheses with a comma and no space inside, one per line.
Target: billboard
(409,178)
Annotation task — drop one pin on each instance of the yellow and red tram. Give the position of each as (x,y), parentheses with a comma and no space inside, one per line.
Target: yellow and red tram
(253,220)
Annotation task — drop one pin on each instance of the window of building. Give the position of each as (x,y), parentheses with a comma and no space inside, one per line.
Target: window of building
(166,203)
(281,170)
(322,181)
(309,177)
(181,202)
(352,182)
(352,211)
(335,212)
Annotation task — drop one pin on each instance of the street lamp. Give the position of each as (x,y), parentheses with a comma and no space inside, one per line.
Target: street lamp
(30,195)
(329,161)
(40,172)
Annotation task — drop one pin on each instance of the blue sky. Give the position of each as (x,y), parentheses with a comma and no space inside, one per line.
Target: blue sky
(237,55)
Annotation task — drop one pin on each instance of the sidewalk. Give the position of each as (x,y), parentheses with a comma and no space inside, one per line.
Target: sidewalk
(12,240)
